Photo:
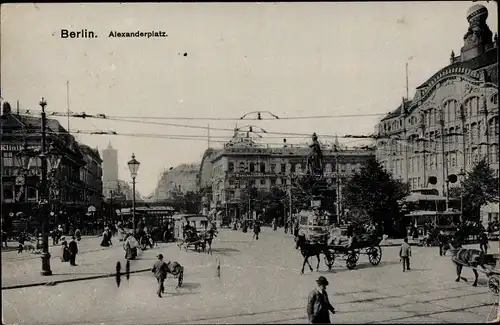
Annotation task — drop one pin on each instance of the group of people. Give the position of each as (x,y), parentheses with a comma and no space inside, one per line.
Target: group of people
(69,250)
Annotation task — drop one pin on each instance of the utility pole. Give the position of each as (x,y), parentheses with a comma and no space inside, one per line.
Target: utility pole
(208,136)
(486,125)
(462,119)
(337,182)
(445,180)
(45,200)
(67,100)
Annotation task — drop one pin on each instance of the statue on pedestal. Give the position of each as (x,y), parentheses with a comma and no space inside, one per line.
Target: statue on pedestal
(315,158)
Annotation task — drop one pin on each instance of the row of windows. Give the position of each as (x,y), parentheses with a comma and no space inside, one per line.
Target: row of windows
(450,112)
(297,168)
(434,161)
(453,138)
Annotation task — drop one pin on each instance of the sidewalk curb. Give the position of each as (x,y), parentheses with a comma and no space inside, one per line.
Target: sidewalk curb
(52,283)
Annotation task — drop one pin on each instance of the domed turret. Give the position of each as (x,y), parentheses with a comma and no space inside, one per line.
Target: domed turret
(477,11)
(478,38)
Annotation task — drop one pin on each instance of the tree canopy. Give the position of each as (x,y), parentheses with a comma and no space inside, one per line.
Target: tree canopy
(479,187)
(372,192)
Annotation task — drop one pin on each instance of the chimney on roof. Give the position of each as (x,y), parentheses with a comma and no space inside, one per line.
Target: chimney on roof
(6,110)
(284,143)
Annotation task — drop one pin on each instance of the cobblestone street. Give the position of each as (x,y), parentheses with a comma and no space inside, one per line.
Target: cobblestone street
(260,283)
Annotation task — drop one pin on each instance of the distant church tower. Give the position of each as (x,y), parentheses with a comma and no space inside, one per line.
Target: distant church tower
(110,164)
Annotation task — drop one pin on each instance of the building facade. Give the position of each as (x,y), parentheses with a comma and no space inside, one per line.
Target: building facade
(452,121)
(177,181)
(20,190)
(243,163)
(91,176)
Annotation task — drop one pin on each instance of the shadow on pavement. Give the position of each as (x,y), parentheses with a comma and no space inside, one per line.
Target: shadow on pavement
(366,265)
(225,251)
(180,293)
(190,285)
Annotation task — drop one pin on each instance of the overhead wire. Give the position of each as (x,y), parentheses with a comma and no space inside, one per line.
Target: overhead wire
(194,118)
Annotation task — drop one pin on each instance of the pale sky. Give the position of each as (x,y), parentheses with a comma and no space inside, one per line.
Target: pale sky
(293,59)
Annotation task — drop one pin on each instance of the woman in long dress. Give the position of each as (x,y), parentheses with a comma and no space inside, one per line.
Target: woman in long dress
(131,245)
(106,238)
(64,250)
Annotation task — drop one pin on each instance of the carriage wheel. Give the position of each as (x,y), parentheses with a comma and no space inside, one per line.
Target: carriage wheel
(329,260)
(181,278)
(494,284)
(375,255)
(351,261)
(356,255)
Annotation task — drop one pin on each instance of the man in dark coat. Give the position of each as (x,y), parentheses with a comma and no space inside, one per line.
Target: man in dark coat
(483,242)
(442,240)
(73,250)
(318,305)
(160,269)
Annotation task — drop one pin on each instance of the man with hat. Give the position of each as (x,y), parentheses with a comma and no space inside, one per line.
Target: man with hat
(160,270)
(318,305)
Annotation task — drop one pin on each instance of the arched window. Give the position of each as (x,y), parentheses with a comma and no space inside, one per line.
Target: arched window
(252,167)
(231,166)
(262,167)
(242,167)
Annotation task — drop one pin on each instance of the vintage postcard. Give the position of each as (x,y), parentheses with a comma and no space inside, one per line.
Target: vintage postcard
(288,162)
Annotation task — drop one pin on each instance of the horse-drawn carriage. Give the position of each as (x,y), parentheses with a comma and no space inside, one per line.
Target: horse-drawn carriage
(201,241)
(367,244)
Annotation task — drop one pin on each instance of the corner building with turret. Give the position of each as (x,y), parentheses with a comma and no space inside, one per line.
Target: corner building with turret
(451,123)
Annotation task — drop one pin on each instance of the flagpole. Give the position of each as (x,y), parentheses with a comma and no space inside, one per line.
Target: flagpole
(407,91)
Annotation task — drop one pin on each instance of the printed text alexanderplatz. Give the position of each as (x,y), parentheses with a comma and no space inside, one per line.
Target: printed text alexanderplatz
(84,33)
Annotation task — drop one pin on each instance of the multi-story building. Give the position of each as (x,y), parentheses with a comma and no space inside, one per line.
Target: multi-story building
(177,181)
(91,175)
(452,120)
(20,192)
(243,163)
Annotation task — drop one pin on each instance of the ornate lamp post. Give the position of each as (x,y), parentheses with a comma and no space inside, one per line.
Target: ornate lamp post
(133,166)
(44,197)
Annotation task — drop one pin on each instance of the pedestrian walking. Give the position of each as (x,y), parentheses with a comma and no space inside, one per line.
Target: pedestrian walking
(64,250)
(256,230)
(405,254)
(442,241)
(318,304)
(106,238)
(20,248)
(160,269)
(73,250)
(78,234)
(483,242)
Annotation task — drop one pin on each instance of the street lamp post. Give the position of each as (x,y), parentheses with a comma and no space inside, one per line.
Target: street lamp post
(133,166)
(45,198)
